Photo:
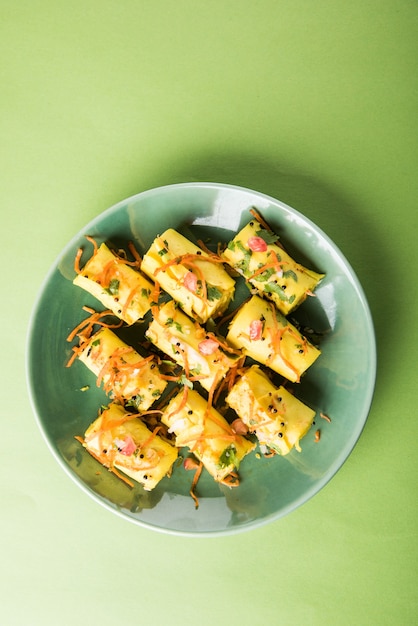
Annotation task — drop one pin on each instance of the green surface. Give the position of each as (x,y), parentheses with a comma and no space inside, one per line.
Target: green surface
(312,103)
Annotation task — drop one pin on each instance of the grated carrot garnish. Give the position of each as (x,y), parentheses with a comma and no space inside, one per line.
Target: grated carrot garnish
(80,252)
(76,351)
(94,243)
(325,417)
(77,261)
(135,254)
(186,258)
(215,256)
(276,335)
(109,423)
(182,403)
(260,219)
(196,477)
(121,476)
(212,389)
(227,317)
(275,264)
(224,345)
(231,480)
(129,298)
(154,299)
(119,371)
(88,323)
(151,438)
(108,271)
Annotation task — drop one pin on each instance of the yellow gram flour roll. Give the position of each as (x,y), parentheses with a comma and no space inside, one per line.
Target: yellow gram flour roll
(265,335)
(196,280)
(117,285)
(275,416)
(255,255)
(200,353)
(206,433)
(125,374)
(121,441)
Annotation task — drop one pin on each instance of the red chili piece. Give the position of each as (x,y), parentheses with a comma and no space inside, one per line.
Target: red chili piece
(208,347)
(129,446)
(256,330)
(257,244)
(190,282)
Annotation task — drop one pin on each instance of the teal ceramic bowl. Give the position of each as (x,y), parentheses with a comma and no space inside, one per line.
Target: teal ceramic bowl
(339,384)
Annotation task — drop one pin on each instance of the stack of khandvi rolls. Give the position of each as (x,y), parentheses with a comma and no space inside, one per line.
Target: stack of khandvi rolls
(187,385)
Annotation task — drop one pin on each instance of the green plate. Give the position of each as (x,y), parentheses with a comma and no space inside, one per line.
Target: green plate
(340,383)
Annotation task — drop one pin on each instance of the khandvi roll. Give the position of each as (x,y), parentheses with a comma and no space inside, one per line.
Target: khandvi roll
(116,284)
(197,280)
(265,335)
(206,433)
(275,416)
(201,354)
(125,374)
(120,441)
(255,254)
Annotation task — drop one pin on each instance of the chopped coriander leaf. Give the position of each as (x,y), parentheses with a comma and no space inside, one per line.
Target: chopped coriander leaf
(266,274)
(213,293)
(96,342)
(267,236)
(243,265)
(113,288)
(185,381)
(145,293)
(231,245)
(229,457)
(168,362)
(162,252)
(135,402)
(290,274)
(171,322)
(242,248)
(275,288)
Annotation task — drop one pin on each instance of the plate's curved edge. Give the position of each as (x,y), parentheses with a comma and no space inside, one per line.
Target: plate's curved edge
(345,451)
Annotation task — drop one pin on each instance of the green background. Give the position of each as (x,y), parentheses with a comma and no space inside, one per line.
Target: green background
(311,102)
